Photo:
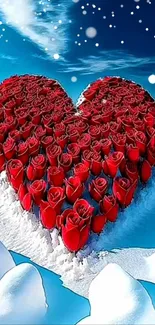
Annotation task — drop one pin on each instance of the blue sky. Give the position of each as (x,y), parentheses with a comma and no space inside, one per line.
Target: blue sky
(32,32)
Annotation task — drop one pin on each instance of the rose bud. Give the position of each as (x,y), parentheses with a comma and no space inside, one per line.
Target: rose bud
(131,171)
(97,223)
(149,120)
(15,135)
(89,94)
(25,197)
(145,171)
(140,139)
(81,126)
(37,168)
(3,131)
(59,130)
(74,150)
(124,190)
(22,115)
(130,136)
(55,175)
(84,141)
(35,116)
(139,125)
(53,153)
(115,127)
(98,188)
(83,208)
(9,148)
(96,163)
(96,145)
(151,151)
(37,190)
(56,198)
(95,132)
(112,163)
(73,134)
(65,161)
(150,132)
(74,189)
(25,130)
(33,145)
(82,171)
(119,142)
(22,152)
(15,173)
(106,146)
(10,123)
(2,158)
(62,141)
(127,123)
(47,141)
(133,153)
(39,132)
(109,207)
(75,230)
(47,215)
(105,130)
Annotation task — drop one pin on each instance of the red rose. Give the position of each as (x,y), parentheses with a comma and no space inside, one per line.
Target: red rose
(109,207)
(140,139)
(95,132)
(25,197)
(112,163)
(123,190)
(119,142)
(26,129)
(96,145)
(130,136)
(53,153)
(133,152)
(150,132)
(145,171)
(82,171)
(115,128)
(62,141)
(15,173)
(33,145)
(89,94)
(74,189)
(55,175)
(127,123)
(10,123)
(149,120)
(74,150)
(22,115)
(97,223)
(98,188)
(46,141)
(83,208)
(96,163)
(35,116)
(73,134)
(75,229)
(37,190)
(2,158)
(56,198)
(107,113)
(37,168)
(22,152)
(84,141)
(106,145)
(47,215)
(39,132)
(3,131)
(9,148)
(65,161)
(131,171)
(59,130)
(15,135)
(105,130)
(81,126)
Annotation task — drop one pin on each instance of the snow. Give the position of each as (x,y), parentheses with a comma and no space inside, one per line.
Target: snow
(117,298)
(6,260)
(22,232)
(22,297)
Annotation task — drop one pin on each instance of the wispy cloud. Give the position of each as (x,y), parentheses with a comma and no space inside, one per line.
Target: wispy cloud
(23,16)
(8,57)
(107,60)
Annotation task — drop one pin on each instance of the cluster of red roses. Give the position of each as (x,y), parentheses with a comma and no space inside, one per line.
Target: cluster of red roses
(49,152)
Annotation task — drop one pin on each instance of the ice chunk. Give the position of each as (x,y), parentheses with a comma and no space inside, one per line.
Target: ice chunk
(22,297)
(117,298)
(6,260)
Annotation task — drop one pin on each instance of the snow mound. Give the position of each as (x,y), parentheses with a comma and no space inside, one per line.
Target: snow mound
(22,297)
(117,298)
(6,260)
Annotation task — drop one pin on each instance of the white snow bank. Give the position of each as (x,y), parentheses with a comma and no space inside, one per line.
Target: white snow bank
(22,297)
(117,298)
(6,260)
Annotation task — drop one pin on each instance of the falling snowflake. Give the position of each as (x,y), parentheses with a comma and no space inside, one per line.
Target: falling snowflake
(91,32)
(74,79)
(151,79)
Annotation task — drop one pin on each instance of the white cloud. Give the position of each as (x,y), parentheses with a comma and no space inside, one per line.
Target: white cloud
(21,14)
(107,60)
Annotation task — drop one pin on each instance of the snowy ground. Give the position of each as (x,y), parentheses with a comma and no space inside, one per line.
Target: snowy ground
(22,232)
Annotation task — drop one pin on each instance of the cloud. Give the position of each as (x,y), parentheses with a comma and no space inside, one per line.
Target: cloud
(8,57)
(107,60)
(23,16)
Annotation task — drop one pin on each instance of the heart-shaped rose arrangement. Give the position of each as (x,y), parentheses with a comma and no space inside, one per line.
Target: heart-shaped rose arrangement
(78,166)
